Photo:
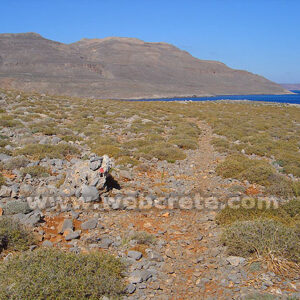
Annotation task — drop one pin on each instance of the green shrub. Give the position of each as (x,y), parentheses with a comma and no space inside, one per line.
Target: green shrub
(143,237)
(14,236)
(184,142)
(280,186)
(221,145)
(53,274)
(163,151)
(186,129)
(38,151)
(137,144)
(47,129)
(110,150)
(292,208)
(262,237)
(9,121)
(243,168)
(232,167)
(250,209)
(125,160)
(296,188)
(258,172)
(35,171)
(71,138)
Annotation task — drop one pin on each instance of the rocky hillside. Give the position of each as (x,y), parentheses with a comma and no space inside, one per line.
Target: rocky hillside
(118,68)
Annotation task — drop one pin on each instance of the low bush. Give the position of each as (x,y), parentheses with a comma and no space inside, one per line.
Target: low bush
(262,237)
(14,236)
(187,129)
(243,168)
(143,237)
(251,209)
(163,151)
(9,121)
(37,151)
(137,144)
(71,138)
(35,171)
(53,274)
(280,186)
(221,145)
(47,129)
(111,150)
(292,208)
(184,142)
(125,160)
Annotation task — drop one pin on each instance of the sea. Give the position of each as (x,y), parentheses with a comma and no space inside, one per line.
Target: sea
(290,98)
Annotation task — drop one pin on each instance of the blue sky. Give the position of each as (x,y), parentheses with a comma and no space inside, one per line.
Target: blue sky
(261,36)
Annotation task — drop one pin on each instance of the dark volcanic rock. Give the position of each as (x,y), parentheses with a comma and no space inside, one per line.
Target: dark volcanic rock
(118,68)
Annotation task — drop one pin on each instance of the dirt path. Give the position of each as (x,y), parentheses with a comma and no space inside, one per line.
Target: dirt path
(190,268)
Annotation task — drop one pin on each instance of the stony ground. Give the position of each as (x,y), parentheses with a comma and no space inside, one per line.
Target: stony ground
(170,253)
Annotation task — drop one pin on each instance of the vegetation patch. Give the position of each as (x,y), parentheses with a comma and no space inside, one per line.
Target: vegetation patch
(143,237)
(163,151)
(243,168)
(71,138)
(110,150)
(9,121)
(262,237)
(53,274)
(251,209)
(37,151)
(14,236)
(35,171)
(184,142)
(126,160)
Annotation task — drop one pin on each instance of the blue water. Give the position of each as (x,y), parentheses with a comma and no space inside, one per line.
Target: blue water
(292,98)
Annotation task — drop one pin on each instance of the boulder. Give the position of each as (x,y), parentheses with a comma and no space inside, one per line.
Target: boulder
(66,224)
(90,224)
(235,260)
(89,193)
(73,235)
(136,255)
(5,191)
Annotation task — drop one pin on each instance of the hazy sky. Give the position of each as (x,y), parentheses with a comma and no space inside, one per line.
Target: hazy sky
(261,36)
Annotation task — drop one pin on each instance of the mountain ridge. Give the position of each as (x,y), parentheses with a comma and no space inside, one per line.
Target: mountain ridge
(118,68)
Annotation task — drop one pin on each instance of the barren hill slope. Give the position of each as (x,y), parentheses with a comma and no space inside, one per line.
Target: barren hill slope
(118,68)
